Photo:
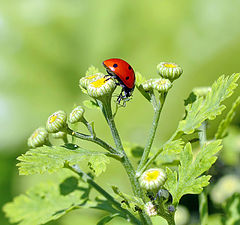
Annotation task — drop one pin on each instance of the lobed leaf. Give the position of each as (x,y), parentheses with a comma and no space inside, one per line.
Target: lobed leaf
(43,203)
(210,106)
(222,128)
(189,179)
(92,70)
(50,159)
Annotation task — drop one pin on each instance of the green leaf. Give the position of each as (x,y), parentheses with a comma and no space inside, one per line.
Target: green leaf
(43,203)
(90,104)
(139,80)
(188,179)
(107,219)
(232,211)
(222,128)
(210,106)
(92,70)
(97,163)
(50,159)
(128,201)
(170,153)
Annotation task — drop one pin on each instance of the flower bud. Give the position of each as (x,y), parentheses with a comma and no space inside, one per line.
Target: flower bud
(59,135)
(148,84)
(152,179)
(85,81)
(169,71)
(76,115)
(162,85)
(38,138)
(150,209)
(101,87)
(56,122)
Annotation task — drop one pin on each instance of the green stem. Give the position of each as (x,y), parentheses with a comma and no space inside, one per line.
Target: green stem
(157,113)
(125,213)
(92,139)
(203,201)
(105,104)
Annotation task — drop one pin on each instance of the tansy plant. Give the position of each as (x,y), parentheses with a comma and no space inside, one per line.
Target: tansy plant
(159,180)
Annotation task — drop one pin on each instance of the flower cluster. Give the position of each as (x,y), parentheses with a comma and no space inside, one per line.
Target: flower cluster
(160,85)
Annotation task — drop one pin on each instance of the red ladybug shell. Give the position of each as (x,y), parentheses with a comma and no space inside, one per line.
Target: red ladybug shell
(122,70)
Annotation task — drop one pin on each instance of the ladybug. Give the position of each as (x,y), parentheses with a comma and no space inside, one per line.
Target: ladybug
(124,75)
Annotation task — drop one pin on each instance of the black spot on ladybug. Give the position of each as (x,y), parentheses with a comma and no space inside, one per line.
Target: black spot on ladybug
(129,67)
(115,65)
(127,78)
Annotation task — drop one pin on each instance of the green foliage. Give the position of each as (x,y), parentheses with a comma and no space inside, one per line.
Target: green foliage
(222,128)
(232,211)
(44,202)
(50,159)
(210,106)
(188,179)
(139,80)
(128,201)
(90,104)
(170,152)
(97,163)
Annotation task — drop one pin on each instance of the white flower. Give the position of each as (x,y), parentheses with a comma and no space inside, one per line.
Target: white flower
(76,115)
(150,209)
(38,138)
(170,71)
(56,122)
(152,179)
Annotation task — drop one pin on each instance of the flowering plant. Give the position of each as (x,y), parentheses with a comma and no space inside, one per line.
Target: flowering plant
(161,177)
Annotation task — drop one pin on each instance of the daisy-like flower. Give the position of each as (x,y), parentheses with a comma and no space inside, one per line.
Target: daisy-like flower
(152,179)
(38,138)
(162,85)
(76,115)
(101,87)
(85,81)
(170,71)
(56,122)
(150,209)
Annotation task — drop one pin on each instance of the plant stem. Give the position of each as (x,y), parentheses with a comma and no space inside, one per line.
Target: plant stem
(107,111)
(125,213)
(148,146)
(203,201)
(92,139)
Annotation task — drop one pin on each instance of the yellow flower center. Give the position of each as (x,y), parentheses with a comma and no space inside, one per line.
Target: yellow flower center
(35,134)
(98,83)
(91,77)
(53,118)
(152,175)
(170,65)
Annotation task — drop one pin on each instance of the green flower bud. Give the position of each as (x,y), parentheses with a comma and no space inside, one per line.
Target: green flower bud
(56,122)
(148,84)
(85,81)
(76,115)
(170,71)
(162,85)
(59,135)
(150,209)
(201,91)
(101,87)
(38,138)
(152,179)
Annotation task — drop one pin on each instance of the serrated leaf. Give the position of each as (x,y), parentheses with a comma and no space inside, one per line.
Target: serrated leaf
(90,104)
(222,128)
(50,159)
(139,78)
(210,106)
(97,163)
(170,153)
(232,212)
(129,200)
(41,204)
(189,179)
(92,70)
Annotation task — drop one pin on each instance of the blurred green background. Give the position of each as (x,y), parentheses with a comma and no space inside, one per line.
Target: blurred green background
(46,46)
